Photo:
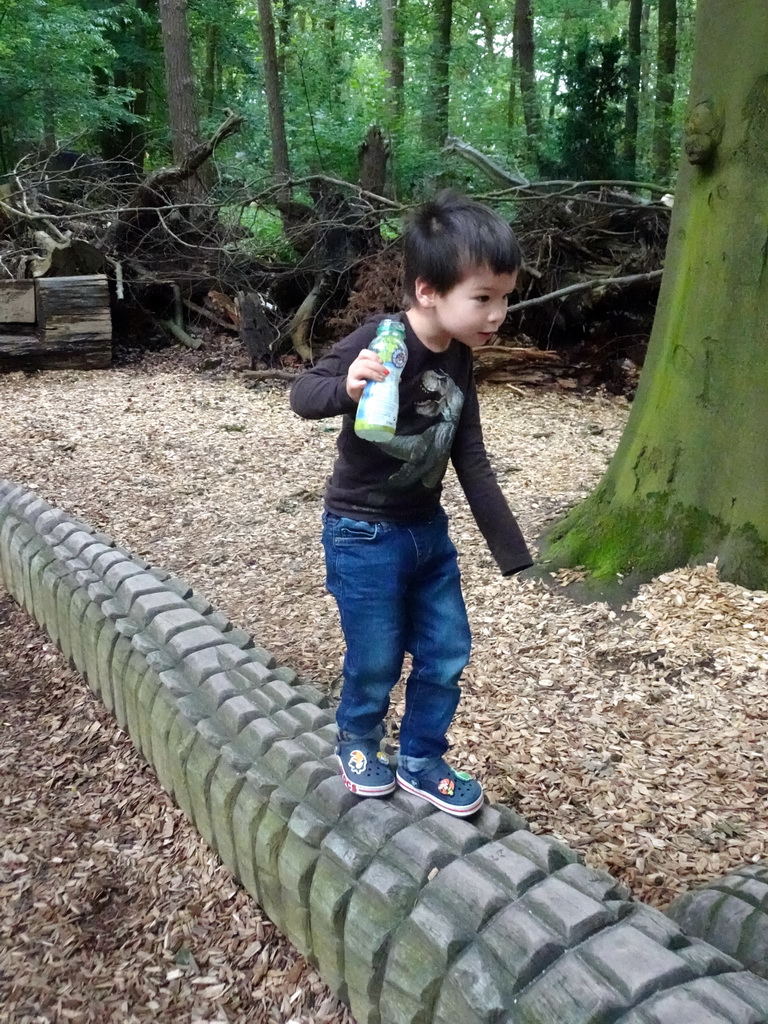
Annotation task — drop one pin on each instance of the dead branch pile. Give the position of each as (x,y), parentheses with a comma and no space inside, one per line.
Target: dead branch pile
(590,238)
(185,257)
(174,248)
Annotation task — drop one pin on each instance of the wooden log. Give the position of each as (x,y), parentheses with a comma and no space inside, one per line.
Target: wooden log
(74,321)
(74,327)
(19,343)
(31,352)
(506,353)
(80,302)
(17,302)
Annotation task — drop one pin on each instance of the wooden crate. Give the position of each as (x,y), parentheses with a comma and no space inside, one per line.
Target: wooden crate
(73,328)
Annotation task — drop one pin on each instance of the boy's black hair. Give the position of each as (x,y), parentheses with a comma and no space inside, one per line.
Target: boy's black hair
(447,237)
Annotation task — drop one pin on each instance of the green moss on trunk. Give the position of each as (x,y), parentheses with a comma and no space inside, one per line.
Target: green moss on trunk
(650,536)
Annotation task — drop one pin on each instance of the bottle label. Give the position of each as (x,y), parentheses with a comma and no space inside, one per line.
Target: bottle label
(378,408)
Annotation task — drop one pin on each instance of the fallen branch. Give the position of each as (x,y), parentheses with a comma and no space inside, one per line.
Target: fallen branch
(269,374)
(180,334)
(201,311)
(341,183)
(496,173)
(584,286)
(565,186)
(118,269)
(527,352)
(196,157)
(298,329)
(149,193)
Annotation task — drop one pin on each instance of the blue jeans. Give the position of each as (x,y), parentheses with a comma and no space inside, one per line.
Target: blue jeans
(398,589)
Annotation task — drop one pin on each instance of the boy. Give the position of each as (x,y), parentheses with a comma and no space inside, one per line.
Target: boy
(390,563)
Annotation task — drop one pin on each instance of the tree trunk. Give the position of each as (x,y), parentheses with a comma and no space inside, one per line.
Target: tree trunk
(115,138)
(372,157)
(335,70)
(512,106)
(127,140)
(665,88)
(633,86)
(180,78)
(280,163)
(392,39)
(523,45)
(50,142)
(435,123)
(284,36)
(687,483)
(645,116)
(211,67)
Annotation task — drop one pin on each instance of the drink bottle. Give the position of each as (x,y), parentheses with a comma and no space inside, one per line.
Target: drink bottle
(377,410)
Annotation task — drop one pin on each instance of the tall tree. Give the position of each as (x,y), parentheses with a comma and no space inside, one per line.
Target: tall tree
(632,111)
(392,57)
(280,162)
(284,15)
(180,78)
(524,59)
(333,54)
(665,88)
(435,119)
(687,483)
(212,78)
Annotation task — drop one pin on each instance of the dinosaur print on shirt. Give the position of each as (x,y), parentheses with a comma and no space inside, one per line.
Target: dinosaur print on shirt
(426,455)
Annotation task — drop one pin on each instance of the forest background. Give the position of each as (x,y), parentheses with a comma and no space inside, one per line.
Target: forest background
(577,89)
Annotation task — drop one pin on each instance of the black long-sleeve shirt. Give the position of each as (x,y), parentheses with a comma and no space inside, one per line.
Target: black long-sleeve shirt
(439,419)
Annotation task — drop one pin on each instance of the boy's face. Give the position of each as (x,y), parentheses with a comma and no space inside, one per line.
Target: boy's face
(472,311)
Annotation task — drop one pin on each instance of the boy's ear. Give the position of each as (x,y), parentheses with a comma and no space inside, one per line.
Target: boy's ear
(424,293)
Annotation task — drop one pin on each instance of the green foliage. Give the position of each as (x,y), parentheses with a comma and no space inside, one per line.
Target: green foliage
(590,131)
(76,65)
(50,55)
(262,232)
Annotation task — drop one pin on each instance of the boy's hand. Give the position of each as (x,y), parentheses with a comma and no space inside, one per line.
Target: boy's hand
(367,366)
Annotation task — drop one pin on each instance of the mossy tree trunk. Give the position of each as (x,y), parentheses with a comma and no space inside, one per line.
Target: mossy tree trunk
(689,480)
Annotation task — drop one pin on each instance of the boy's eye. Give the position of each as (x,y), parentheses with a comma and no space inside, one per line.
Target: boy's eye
(481,298)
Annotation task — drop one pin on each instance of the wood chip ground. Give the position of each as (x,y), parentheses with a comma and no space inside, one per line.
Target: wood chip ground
(636,736)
